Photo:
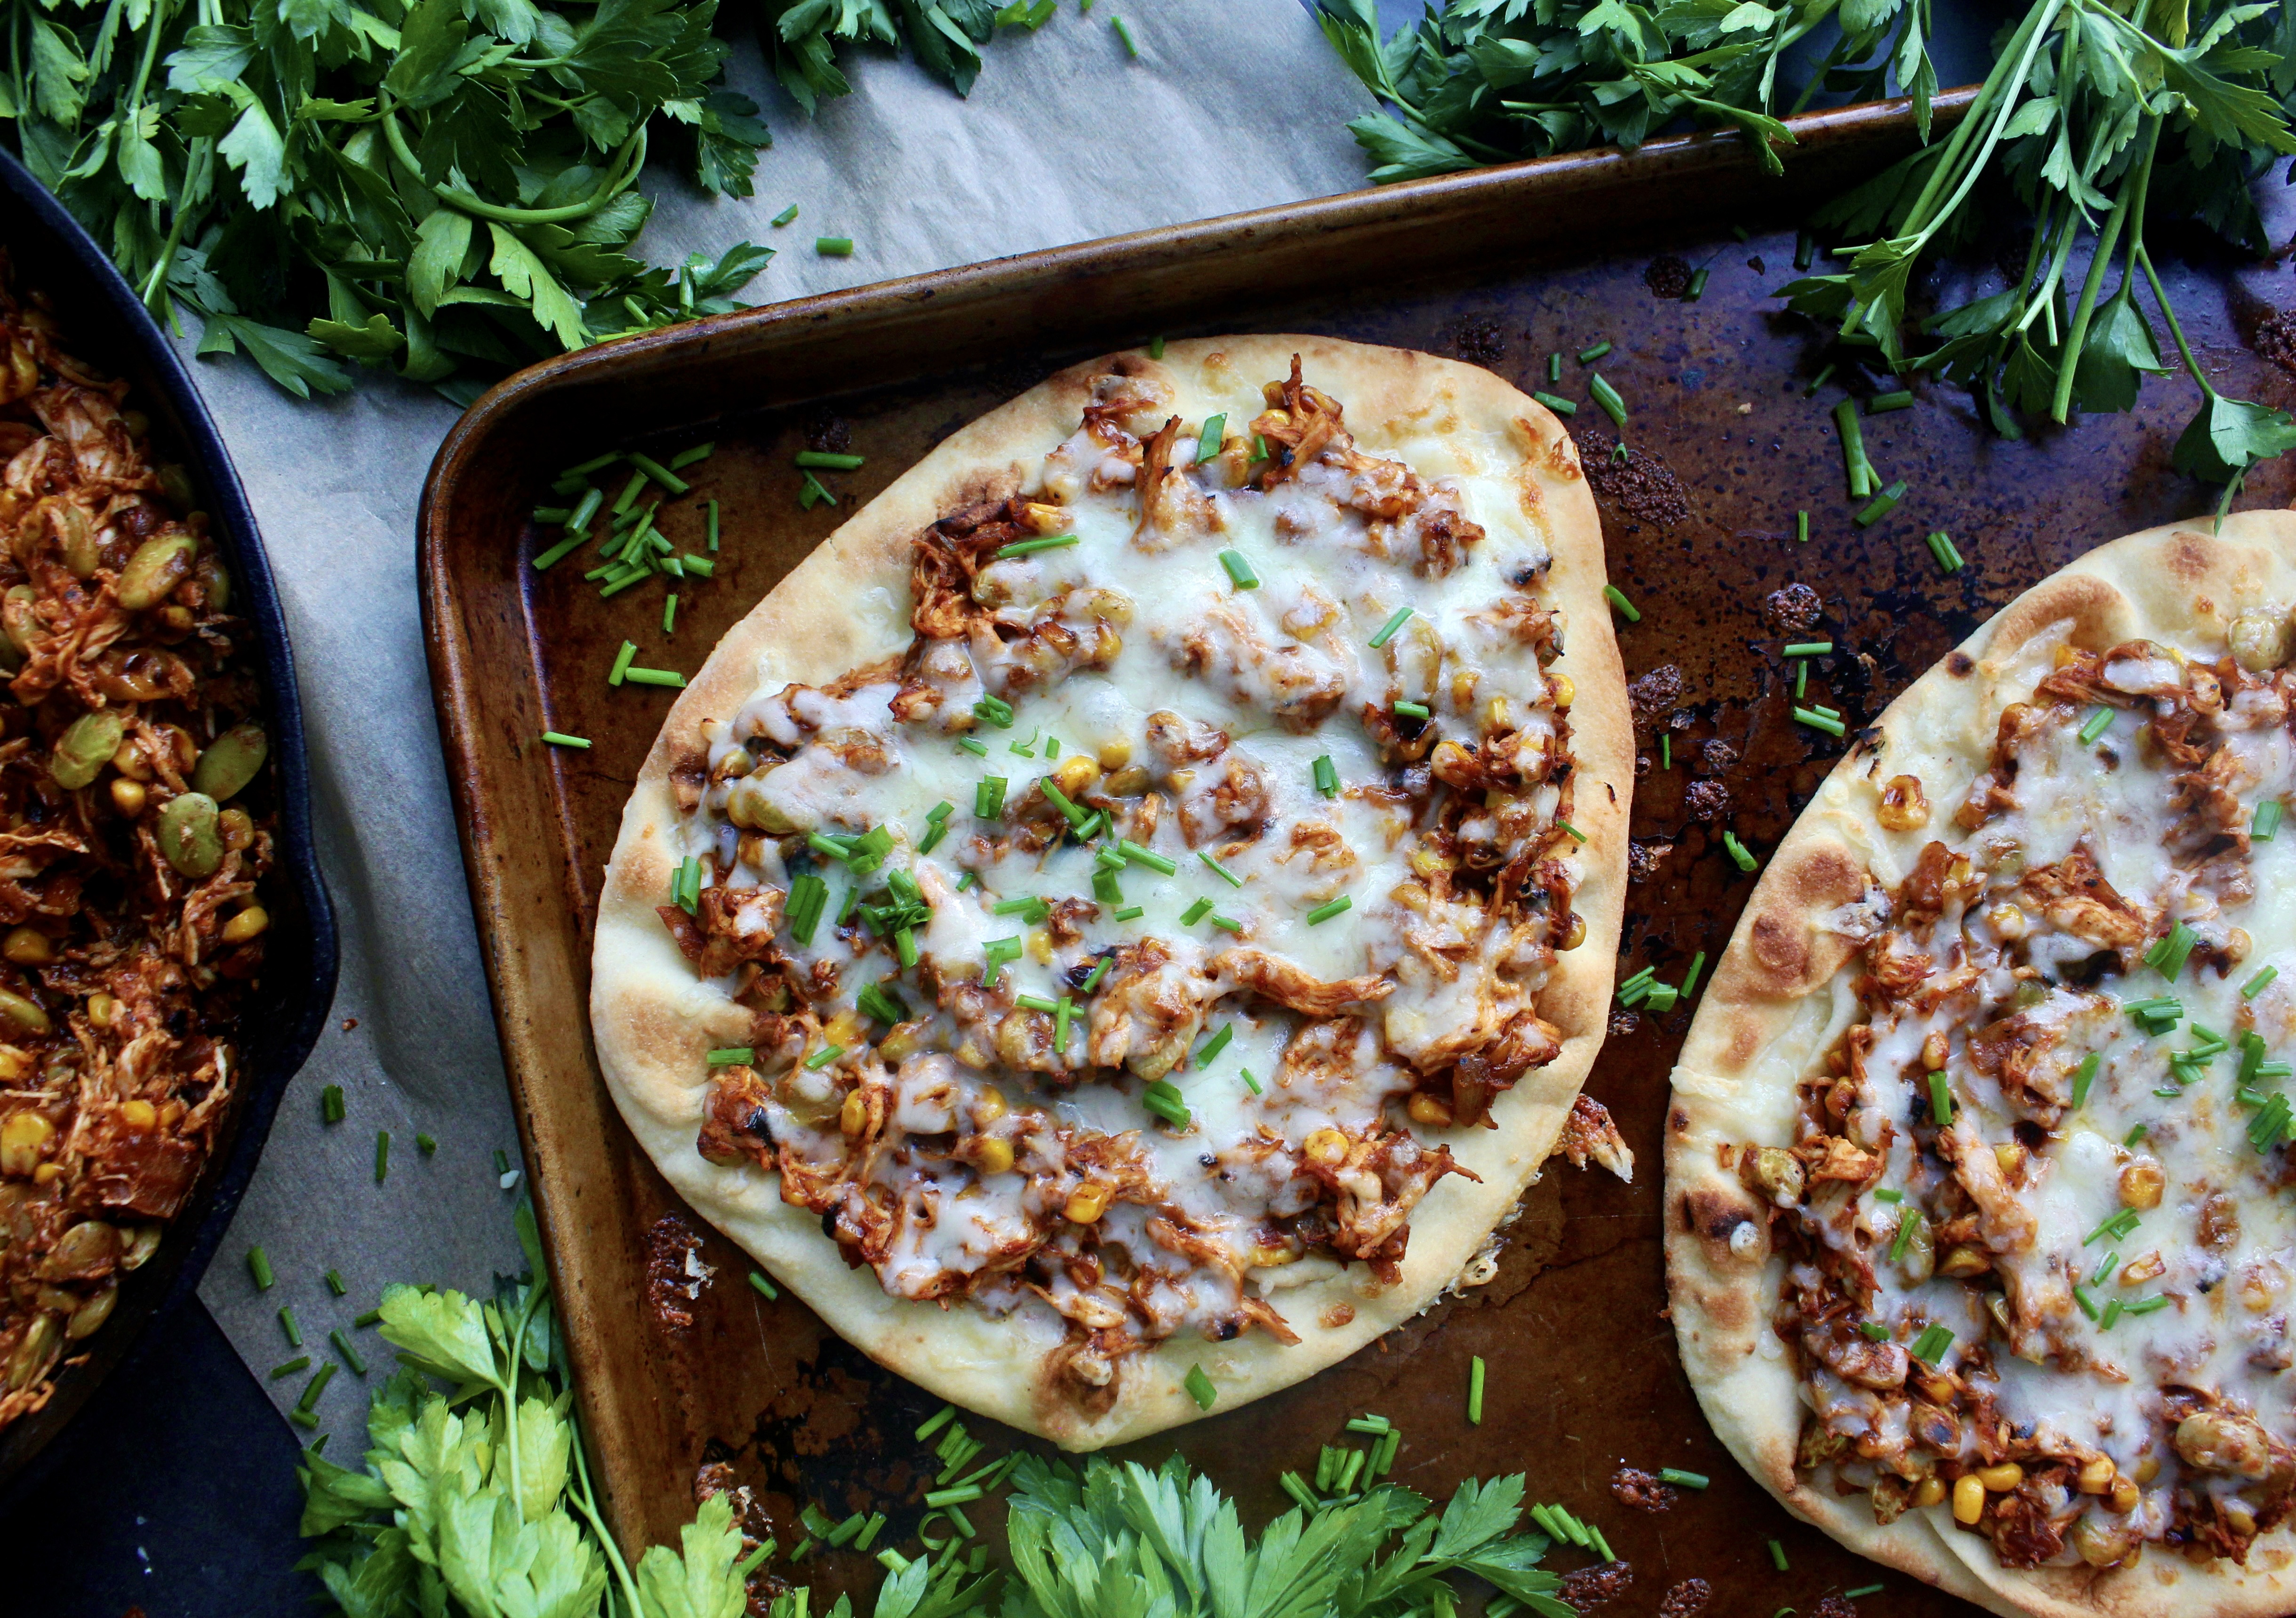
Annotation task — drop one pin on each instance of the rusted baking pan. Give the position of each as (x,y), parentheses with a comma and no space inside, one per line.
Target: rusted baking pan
(1502,267)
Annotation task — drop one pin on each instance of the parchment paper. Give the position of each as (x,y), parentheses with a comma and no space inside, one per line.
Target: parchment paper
(1231,104)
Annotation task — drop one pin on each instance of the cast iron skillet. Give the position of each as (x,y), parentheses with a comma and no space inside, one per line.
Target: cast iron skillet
(104,323)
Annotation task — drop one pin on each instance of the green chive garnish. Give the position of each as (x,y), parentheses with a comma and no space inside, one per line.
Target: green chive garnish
(1220,871)
(1411,711)
(1617,598)
(1327,777)
(562,550)
(310,1400)
(1882,505)
(2095,725)
(1808,648)
(1249,1082)
(1554,367)
(1697,288)
(1948,558)
(823,1057)
(350,1355)
(764,1288)
(833,247)
(1738,851)
(1209,441)
(1681,1479)
(1200,1388)
(1475,1392)
(259,1265)
(1239,570)
(1588,357)
(1608,397)
(655,676)
(2255,985)
(301,1362)
(1882,402)
(1325,912)
(989,798)
(1777,1556)
(1801,528)
(1133,852)
(1195,913)
(1555,402)
(2268,821)
(1862,479)
(1029,547)
(660,474)
(1571,830)
(287,1324)
(1941,1100)
(1818,721)
(1386,630)
(1690,978)
(382,1155)
(787,215)
(1132,49)
(1227,924)
(1929,1347)
(1130,913)
(732,1056)
(2084,1076)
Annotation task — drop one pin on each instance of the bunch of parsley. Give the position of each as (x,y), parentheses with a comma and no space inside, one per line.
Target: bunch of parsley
(445,187)
(475,1501)
(2096,117)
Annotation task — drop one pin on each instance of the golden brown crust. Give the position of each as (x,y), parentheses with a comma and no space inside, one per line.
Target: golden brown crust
(1771,1014)
(653,1024)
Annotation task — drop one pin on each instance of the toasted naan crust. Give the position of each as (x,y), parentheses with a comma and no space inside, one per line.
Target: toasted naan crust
(1780,998)
(848,604)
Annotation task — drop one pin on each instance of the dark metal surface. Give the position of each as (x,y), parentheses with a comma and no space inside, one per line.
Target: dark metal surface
(103,323)
(1502,269)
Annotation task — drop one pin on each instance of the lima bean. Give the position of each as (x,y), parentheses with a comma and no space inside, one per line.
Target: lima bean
(188,836)
(230,762)
(86,747)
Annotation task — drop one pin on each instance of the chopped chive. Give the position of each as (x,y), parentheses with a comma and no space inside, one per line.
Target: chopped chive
(967,744)
(1805,250)
(2084,1076)
(2087,1304)
(1884,1193)
(1571,830)
(1801,680)
(823,1057)
(1219,870)
(1817,381)
(935,1423)
(1690,978)
(1863,1589)
(350,1355)
(1325,912)
(1139,855)
(1227,924)
(1212,1047)
(2095,725)
(382,1155)
(1903,1233)
(1860,470)
(630,492)
(1617,598)
(2145,1306)
(1249,1082)
(786,216)
(1034,1002)
(621,668)
(558,551)
(1681,1479)
(1163,1098)
(1882,402)
(1327,777)
(2170,952)
(1156,348)
(1818,721)
(1666,750)
(1029,547)
(1554,367)
(334,1279)
(1475,1392)
(1777,1556)
(684,458)
(1941,1100)
(1410,710)
(655,676)
(711,511)
(833,247)
(2104,1267)
(1588,357)
(811,491)
(2255,986)
(595,463)
(559,738)
(316,1386)
(1200,1388)
(1208,442)
(1608,397)
(988,797)
(2267,820)
(1092,980)
(1239,570)
(425,1145)
(996,710)
(967,880)
(1132,49)
(288,1324)
(301,1362)
(1555,402)
(1808,648)
(1697,287)
(1929,1347)
(1386,630)
(660,474)
(1801,528)
(2117,1227)
(330,1105)
(259,1265)
(1739,854)
(1882,505)
(1948,558)
(1131,913)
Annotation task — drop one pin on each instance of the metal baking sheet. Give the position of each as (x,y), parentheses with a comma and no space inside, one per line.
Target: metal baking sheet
(1501,267)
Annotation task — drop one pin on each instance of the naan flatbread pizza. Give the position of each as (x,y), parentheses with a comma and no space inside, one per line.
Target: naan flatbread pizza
(1116,929)
(1979,1220)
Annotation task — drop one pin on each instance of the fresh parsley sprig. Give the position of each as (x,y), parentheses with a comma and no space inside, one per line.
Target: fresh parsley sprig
(2095,119)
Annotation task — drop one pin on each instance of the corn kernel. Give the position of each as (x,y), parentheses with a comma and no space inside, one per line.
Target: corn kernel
(1040,947)
(1563,691)
(248,923)
(27,947)
(1085,1204)
(1074,773)
(1327,1147)
(853,1117)
(2001,1479)
(989,1107)
(1115,755)
(127,796)
(20,1140)
(2124,1494)
(138,1113)
(1968,1499)
(2096,1475)
(1432,1111)
(1929,1490)
(994,1156)
(47,1174)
